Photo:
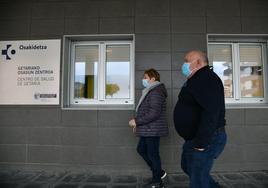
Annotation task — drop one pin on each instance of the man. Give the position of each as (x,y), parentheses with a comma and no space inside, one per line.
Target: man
(199,117)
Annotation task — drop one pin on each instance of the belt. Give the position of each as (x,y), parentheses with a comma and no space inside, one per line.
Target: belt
(220,130)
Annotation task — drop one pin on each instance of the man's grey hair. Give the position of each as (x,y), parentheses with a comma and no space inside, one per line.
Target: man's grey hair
(203,56)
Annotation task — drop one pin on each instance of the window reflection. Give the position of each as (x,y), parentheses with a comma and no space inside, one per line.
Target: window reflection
(86,70)
(220,57)
(251,73)
(118,71)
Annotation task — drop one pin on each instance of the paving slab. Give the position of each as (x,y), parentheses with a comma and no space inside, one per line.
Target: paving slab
(74,178)
(44,179)
(99,179)
(125,179)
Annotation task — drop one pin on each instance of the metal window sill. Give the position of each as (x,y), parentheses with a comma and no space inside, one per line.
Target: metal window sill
(99,107)
(246,106)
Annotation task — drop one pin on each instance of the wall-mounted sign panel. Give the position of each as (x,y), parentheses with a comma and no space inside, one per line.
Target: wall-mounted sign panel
(30,72)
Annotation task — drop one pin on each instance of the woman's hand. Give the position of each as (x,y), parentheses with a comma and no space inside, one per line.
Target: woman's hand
(132,123)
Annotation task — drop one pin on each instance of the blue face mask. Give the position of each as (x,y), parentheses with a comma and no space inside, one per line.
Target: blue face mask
(186,71)
(145,82)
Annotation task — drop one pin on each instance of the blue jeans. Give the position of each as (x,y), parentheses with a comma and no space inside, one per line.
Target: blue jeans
(148,148)
(197,164)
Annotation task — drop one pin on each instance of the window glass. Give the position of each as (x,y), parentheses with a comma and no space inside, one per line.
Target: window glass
(251,71)
(220,57)
(117,84)
(86,72)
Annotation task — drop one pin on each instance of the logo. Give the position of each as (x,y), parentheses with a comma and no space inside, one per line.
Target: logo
(42,95)
(37,95)
(5,52)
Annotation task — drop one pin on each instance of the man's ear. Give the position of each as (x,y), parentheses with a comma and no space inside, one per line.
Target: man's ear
(199,63)
(153,78)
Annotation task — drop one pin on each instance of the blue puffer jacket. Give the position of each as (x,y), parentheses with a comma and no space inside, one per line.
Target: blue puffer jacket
(151,118)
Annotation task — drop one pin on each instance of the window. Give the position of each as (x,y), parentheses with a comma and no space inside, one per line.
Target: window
(242,69)
(100,73)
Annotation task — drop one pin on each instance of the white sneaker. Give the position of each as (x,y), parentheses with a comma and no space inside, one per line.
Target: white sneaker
(164,174)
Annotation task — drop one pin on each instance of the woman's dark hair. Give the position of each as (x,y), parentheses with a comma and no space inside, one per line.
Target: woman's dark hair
(152,73)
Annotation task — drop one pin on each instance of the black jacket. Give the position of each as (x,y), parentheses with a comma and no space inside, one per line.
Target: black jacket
(200,109)
(151,118)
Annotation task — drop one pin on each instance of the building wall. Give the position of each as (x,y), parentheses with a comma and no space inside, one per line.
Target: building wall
(35,136)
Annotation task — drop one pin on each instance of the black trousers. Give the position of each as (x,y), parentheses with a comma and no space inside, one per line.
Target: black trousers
(148,148)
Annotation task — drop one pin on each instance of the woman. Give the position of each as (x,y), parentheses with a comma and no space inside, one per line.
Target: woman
(150,124)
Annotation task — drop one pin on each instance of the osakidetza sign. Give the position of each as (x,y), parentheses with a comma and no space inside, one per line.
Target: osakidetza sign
(30,72)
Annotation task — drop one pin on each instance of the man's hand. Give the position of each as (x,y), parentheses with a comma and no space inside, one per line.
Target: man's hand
(200,149)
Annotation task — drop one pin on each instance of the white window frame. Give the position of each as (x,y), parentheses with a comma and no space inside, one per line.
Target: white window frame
(236,73)
(101,100)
